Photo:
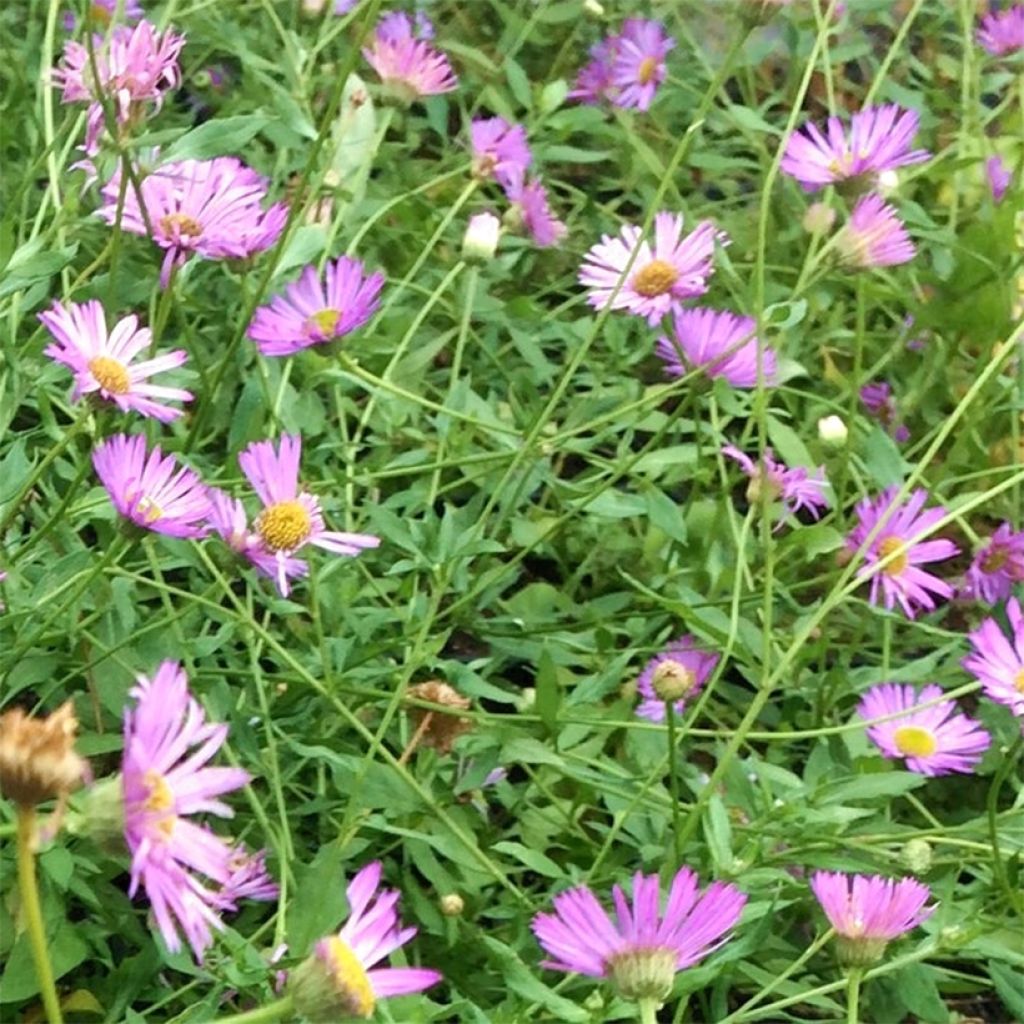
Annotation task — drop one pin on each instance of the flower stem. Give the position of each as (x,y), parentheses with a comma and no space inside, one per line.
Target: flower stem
(998,868)
(29,891)
(853,981)
(673,782)
(277,1010)
(648,1011)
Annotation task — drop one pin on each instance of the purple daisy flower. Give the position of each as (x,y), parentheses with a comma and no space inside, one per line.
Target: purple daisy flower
(874,236)
(291,517)
(1002,32)
(932,740)
(879,401)
(151,490)
(682,668)
(900,580)
(211,208)
(339,979)
(996,567)
(661,278)
(642,949)
(718,343)
(316,309)
(998,659)
(101,360)
(531,210)
(409,68)
(796,488)
(868,912)
(999,176)
(594,81)
(879,140)
(638,63)
(166,778)
(499,150)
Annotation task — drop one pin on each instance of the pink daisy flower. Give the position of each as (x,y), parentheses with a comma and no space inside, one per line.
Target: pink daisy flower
(500,150)
(659,279)
(932,740)
(291,517)
(996,567)
(900,580)
(316,309)
(874,236)
(879,401)
(166,778)
(999,176)
(642,949)
(211,208)
(594,81)
(409,68)
(797,488)
(998,660)
(134,66)
(879,140)
(340,980)
(100,360)
(531,210)
(718,343)
(638,63)
(149,489)
(868,912)
(1002,32)
(681,668)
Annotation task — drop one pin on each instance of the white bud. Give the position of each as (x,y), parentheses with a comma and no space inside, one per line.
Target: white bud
(888,182)
(832,430)
(593,8)
(481,239)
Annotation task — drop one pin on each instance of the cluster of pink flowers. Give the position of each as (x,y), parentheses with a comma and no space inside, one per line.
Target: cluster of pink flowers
(626,68)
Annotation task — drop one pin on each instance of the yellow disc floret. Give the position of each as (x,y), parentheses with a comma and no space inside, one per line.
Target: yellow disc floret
(180,224)
(110,374)
(647,70)
(284,526)
(655,279)
(351,982)
(889,546)
(915,741)
(323,324)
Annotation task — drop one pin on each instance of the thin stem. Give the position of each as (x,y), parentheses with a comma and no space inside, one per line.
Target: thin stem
(279,1009)
(648,1011)
(992,805)
(29,891)
(673,782)
(853,996)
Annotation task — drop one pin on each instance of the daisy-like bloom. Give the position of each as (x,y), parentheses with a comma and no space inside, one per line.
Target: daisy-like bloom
(211,208)
(998,660)
(638,64)
(339,980)
(409,68)
(996,567)
(150,489)
(531,211)
(100,360)
(932,740)
(500,149)
(879,140)
(999,177)
(641,950)
(874,236)
(594,81)
(796,488)
(676,674)
(291,517)
(316,309)
(879,401)
(718,343)
(659,279)
(134,66)
(868,912)
(1002,32)
(165,779)
(901,580)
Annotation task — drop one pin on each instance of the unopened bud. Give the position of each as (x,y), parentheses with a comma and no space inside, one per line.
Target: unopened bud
(832,431)
(452,904)
(593,9)
(888,182)
(672,681)
(480,242)
(37,757)
(819,218)
(916,856)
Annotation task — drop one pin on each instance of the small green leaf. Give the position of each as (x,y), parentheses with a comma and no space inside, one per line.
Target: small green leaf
(549,695)
(218,137)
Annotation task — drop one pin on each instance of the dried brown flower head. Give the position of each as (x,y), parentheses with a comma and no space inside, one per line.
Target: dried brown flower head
(37,757)
(435,728)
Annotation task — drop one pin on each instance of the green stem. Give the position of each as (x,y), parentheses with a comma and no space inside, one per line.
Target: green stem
(853,996)
(29,891)
(277,1010)
(992,805)
(648,1011)
(673,782)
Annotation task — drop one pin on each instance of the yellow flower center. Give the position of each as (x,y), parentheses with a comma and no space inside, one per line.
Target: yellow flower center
(148,509)
(888,546)
(655,279)
(99,15)
(349,976)
(284,525)
(160,801)
(647,70)
(322,324)
(180,224)
(996,558)
(915,741)
(110,374)
(1018,681)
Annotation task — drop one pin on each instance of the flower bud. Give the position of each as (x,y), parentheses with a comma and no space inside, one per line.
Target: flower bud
(672,681)
(832,431)
(593,9)
(480,242)
(916,856)
(452,904)
(37,757)
(818,219)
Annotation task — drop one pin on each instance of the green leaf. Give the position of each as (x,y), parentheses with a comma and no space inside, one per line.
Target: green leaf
(34,261)
(549,693)
(533,859)
(519,83)
(318,903)
(524,982)
(920,994)
(1008,987)
(222,135)
(718,832)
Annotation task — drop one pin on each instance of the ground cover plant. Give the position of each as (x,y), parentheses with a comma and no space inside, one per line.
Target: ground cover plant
(512,510)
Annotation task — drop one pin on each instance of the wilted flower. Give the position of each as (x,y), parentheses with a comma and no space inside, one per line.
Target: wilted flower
(101,360)
(151,490)
(317,308)
(900,580)
(409,68)
(796,488)
(874,236)
(998,660)
(998,564)
(438,729)
(933,740)
(532,211)
(1002,32)
(659,279)
(879,140)
(879,401)
(339,979)
(675,674)
(718,343)
(37,755)
(643,949)
(999,176)
(213,208)
(500,149)
(868,912)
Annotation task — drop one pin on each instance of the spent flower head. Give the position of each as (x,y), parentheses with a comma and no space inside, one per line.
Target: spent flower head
(997,660)
(500,149)
(676,674)
(531,210)
(878,399)
(797,488)
(37,755)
